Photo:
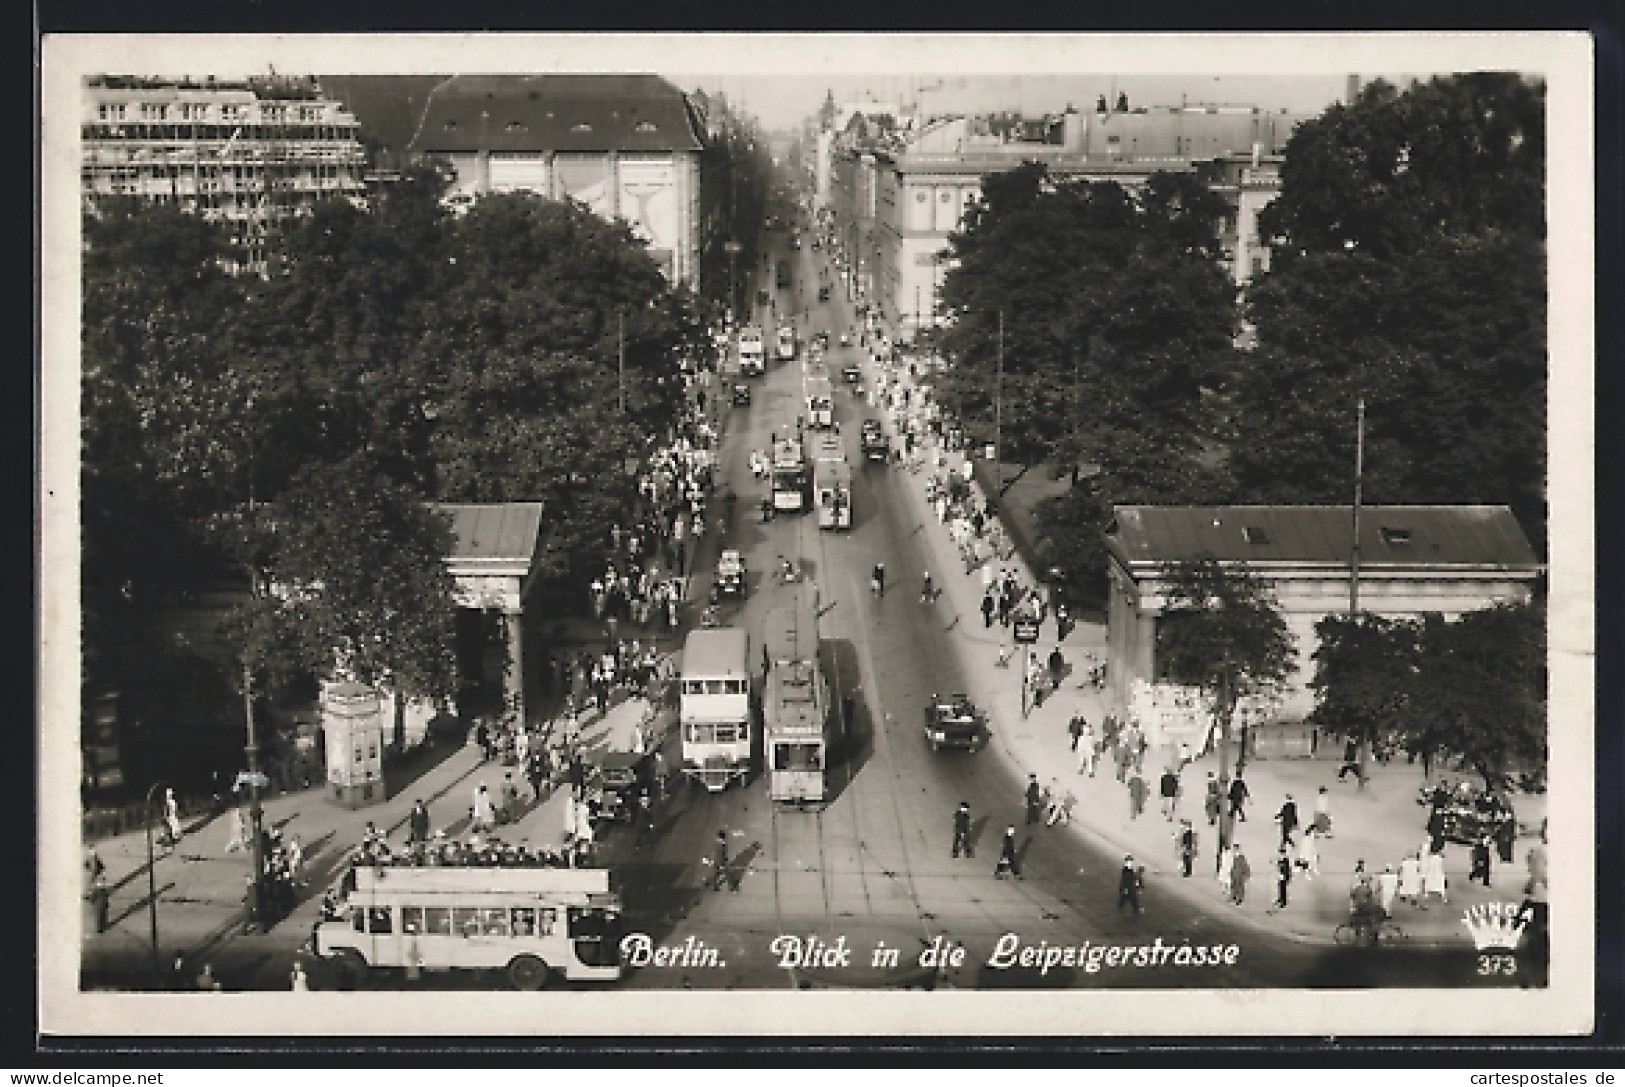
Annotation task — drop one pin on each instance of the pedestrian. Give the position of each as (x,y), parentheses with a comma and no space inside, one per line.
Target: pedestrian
(1213,801)
(1227,869)
(987,610)
(1087,751)
(239,831)
(510,798)
(1433,877)
(484,811)
(962,829)
(1506,836)
(1057,667)
(1309,852)
(418,823)
(1034,799)
(927,590)
(1060,807)
(172,819)
(206,980)
(1481,860)
(1283,876)
(1388,889)
(1185,846)
(719,862)
(1287,819)
(1137,791)
(1238,798)
(1120,755)
(298,982)
(1323,813)
(1168,789)
(1074,728)
(1009,855)
(1240,870)
(1351,761)
(482,737)
(1130,880)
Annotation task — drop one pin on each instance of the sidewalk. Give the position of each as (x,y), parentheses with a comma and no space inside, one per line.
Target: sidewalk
(1379,823)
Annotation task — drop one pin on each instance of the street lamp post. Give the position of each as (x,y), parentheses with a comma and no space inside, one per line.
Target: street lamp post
(998,412)
(251,749)
(152,878)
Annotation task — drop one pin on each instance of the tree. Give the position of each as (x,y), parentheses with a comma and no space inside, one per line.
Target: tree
(1221,630)
(1410,271)
(1117,317)
(354,584)
(1480,692)
(1365,678)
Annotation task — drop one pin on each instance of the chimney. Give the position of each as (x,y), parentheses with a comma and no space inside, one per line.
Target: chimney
(1072,132)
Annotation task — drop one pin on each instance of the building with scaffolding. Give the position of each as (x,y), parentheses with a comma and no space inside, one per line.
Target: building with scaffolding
(251,153)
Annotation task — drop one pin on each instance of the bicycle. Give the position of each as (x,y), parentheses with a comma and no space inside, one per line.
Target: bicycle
(1383,933)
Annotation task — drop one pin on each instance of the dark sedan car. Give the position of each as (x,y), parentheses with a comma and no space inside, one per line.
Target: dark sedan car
(954,722)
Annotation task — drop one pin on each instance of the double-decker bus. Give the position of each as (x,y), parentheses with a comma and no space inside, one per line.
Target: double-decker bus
(787,342)
(790,476)
(751,357)
(820,395)
(535,923)
(795,703)
(714,706)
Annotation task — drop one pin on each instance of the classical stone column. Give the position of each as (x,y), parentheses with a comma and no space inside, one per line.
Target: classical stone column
(513,678)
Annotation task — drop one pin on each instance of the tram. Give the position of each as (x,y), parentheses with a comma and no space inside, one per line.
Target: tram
(832,482)
(820,393)
(795,703)
(789,473)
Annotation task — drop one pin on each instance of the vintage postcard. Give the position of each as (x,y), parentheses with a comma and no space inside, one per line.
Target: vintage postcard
(791,535)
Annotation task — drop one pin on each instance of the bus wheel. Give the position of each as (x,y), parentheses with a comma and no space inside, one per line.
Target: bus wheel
(529,973)
(348,967)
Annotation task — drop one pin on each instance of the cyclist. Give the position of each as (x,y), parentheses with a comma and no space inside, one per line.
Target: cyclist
(926,589)
(877,580)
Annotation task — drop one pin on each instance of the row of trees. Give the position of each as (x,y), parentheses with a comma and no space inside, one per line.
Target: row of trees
(1409,270)
(1468,692)
(289,432)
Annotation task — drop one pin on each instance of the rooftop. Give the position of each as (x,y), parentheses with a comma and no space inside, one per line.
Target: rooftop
(583,113)
(493,537)
(1469,537)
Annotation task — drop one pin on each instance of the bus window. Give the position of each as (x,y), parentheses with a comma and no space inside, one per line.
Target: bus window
(736,686)
(494,921)
(412,920)
(701,732)
(524,921)
(358,921)
(546,920)
(466,921)
(378,919)
(437,921)
(713,686)
(724,734)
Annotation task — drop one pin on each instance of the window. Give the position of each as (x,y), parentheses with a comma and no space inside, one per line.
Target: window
(466,921)
(378,920)
(494,921)
(646,126)
(804,756)
(1254,535)
(412,920)
(1395,536)
(581,126)
(437,921)
(517,126)
(524,921)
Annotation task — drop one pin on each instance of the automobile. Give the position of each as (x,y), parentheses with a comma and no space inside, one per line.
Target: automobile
(851,373)
(741,395)
(954,722)
(730,579)
(622,775)
(822,339)
(823,294)
(873,441)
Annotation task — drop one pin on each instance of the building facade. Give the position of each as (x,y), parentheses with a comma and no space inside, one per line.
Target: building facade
(1413,560)
(626,146)
(897,195)
(251,153)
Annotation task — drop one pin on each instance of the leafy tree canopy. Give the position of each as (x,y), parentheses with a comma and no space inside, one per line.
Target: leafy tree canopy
(1222,630)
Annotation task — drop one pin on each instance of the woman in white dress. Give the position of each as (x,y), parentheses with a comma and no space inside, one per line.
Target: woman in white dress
(484,813)
(1309,853)
(239,831)
(1433,878)
(1227,863)
(1410,878)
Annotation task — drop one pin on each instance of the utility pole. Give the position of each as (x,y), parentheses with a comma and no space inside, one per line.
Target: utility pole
(620,356)
(256,856)
(998,414)
(1354,546)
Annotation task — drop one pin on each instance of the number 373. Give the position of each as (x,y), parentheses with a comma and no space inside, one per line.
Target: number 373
(1497,964)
